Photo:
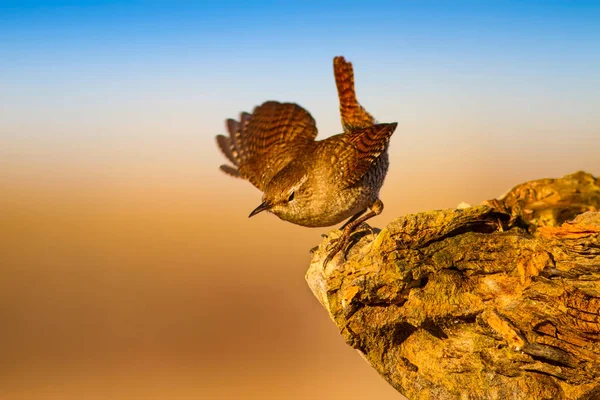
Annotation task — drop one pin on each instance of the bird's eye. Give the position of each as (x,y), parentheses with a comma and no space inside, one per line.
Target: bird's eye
(291,196)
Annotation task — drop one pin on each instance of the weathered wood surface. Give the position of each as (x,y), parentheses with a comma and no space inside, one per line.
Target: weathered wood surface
(497,301)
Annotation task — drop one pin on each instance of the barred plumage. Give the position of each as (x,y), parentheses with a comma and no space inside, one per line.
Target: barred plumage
(354,116)
(309,182)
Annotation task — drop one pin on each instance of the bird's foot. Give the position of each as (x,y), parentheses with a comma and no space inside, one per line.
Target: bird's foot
(333,252)
(336,245)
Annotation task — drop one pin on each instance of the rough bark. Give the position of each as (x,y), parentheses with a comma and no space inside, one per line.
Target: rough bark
(497,301)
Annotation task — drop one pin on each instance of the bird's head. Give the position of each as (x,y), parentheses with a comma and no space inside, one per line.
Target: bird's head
(286,195)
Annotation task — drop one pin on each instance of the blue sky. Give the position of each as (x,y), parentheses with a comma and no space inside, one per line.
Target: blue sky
(69,67)
(251,29)
(215,38)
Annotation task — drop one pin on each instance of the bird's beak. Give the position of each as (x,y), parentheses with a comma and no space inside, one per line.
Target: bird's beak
(263,206)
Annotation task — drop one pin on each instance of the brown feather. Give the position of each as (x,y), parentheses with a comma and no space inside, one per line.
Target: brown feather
(229,170)
(263,142)
(354,116)
(368,144)
(226,146)
(234,129)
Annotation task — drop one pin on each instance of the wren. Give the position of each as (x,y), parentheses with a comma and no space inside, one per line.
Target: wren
(308,182)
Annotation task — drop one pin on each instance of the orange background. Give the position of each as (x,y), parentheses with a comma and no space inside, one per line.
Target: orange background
(133,271)
(129,268)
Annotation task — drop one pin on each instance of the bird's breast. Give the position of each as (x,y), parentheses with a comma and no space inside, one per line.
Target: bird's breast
(330,203)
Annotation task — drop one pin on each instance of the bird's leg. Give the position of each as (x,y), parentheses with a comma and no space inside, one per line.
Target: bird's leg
(350,226)
(353,218)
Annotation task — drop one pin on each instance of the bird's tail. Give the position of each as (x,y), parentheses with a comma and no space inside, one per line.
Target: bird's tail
(353,114)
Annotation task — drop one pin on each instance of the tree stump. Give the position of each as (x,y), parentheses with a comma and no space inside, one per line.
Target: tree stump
(497,301)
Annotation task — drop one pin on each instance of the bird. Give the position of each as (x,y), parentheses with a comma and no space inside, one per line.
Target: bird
(309,182)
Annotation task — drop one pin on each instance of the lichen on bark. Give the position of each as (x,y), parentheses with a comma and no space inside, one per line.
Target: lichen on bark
(496,301)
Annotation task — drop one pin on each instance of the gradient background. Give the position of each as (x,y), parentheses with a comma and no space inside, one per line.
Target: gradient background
(129,268)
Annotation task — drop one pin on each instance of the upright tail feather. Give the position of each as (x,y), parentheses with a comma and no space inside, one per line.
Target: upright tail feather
(352,113)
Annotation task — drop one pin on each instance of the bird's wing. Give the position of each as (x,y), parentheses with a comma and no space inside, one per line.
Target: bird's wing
(354,155)
(262,143)
(354,116)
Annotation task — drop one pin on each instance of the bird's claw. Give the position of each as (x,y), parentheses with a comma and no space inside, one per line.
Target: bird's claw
(342,243)
(335,247)
(330,256)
